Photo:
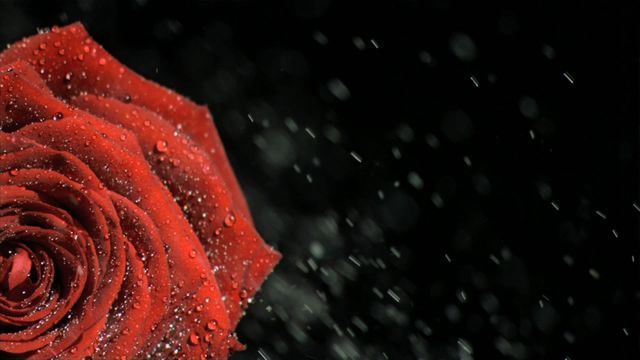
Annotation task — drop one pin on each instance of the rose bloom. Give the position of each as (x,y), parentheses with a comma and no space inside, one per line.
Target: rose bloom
(123,231)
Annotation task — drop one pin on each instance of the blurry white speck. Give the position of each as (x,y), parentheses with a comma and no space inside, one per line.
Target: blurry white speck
(548,51)
(568,77)
(316,249)
(467,161)
(462,296)
(635,206)
(437,200)
(377,292)
(432,140)
(375,43)
(415,180)
(349,222)
(615,233)
(405,133)
(332,133)
(463,47)
(356,156)
(320,38)
(494,259)
(291,124)
(528,107)
(359,43)
(474,80)
(381,194)
(569,337)
(395,252)
(354,260)
(426,58)
(250,117)
(393,295)
(532,135)
(624,330)
(338,89)
(465,346)
(263,354)
(568,260)
(594,273)
(601,214)
(555,206)
(310,133)
(396,153)
(446,256)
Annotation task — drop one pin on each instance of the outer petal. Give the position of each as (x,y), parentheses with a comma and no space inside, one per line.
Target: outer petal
(71,63)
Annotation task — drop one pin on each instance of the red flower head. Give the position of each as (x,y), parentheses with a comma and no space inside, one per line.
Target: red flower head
(123,231)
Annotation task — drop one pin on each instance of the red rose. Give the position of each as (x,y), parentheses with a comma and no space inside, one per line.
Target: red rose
(123,231)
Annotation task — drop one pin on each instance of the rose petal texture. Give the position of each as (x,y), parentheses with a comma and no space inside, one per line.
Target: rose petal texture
(123,230)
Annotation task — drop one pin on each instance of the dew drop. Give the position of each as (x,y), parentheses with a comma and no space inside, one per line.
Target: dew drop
(229,220)
(102,61)
(161,146)
(13,172)
(212,325)
(58,116)
(192,253)
(243,293)
(194,339)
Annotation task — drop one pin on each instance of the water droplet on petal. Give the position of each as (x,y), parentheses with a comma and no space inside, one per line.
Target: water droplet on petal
(194,339)
(212,325)
(229,220)
(102,61)
(243,293)
(161,146)
(192,253)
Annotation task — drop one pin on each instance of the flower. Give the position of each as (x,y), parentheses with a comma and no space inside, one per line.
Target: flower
(123,231)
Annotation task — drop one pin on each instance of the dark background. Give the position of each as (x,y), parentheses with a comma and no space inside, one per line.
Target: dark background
(445,180)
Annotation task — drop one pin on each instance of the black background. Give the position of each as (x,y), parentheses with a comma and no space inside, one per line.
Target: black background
(492,212)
